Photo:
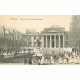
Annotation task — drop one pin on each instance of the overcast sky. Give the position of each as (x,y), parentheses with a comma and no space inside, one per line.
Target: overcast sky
(38,23)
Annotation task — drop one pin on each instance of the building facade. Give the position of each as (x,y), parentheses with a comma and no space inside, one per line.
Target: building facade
(53,37)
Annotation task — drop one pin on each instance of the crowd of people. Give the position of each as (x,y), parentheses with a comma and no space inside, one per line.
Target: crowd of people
(55,58)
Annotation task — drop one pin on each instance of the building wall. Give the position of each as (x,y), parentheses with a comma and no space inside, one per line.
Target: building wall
(32,39)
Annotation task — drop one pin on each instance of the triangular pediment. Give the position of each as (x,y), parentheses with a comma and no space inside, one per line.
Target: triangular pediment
(53,29)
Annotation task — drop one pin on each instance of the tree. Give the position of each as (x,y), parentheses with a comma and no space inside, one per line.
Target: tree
(74,34)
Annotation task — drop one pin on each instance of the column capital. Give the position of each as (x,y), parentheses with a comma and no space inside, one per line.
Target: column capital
(50,35)
(59,34)
(46,35)
(54,35)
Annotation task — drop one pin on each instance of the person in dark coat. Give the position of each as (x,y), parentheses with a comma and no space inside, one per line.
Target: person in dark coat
(25,61)
(30,61)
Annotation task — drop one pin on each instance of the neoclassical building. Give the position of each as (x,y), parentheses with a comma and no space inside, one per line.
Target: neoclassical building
(53,37)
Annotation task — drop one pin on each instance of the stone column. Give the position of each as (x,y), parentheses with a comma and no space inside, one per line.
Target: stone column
(63,41)
(46,41)
(50,42)
(42,41)
(54,41)
(59,41)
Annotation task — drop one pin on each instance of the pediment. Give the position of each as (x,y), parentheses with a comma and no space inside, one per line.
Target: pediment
(48,30)
(54,30)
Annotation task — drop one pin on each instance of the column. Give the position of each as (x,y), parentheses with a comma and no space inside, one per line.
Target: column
(59,41)
(46,41)
(54,41)
(50,42)
(43,41)
(63,41)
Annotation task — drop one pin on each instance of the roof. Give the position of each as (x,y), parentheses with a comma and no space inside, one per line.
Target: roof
(53,28)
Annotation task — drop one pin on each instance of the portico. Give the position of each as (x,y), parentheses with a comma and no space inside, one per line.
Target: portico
(53,37)
(53,41)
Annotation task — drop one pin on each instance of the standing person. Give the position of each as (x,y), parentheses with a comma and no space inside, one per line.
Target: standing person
(30,61)
(25,61)
(39,62)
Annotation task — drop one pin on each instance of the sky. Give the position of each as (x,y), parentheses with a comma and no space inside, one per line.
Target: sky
(34,22)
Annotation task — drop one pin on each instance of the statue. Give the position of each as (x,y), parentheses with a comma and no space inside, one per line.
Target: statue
(38,42)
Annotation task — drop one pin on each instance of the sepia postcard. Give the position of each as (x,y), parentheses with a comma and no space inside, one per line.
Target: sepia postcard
(39,39)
